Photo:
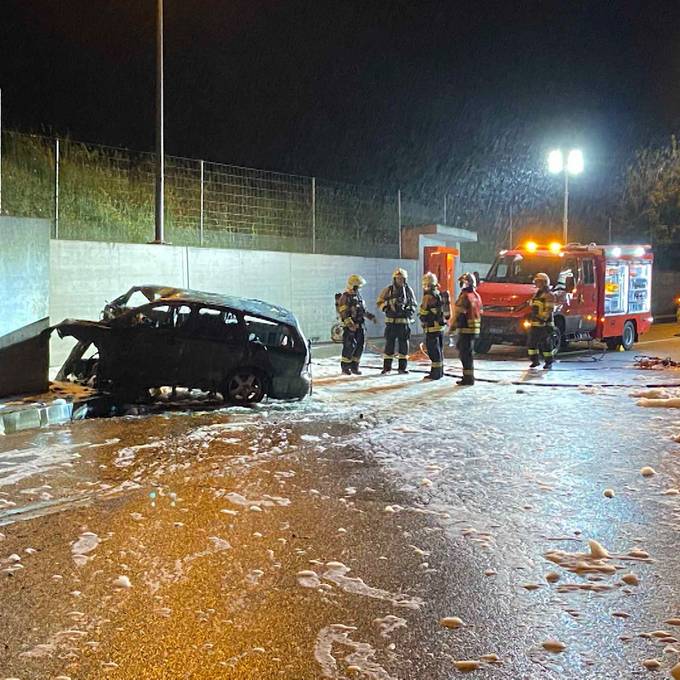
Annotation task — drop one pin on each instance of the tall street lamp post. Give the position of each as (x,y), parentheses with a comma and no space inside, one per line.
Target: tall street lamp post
(160,141)
(573,166)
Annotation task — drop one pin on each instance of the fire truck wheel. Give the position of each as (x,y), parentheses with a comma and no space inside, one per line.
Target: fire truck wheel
(628,335)
(482,345)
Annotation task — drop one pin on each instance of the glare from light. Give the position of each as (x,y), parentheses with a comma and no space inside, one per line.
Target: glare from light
(555,161)
(575,162)
(502,252)
(639,251)
(555,247)
(531,246)
(526,324)
(616,252)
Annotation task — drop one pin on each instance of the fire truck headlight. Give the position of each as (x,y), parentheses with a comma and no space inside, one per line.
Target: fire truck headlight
(526,324)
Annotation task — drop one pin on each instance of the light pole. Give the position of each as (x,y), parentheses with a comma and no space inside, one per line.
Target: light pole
(160,141)
(573,166)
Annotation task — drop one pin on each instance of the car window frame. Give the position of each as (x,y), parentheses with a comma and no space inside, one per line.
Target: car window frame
(194,325)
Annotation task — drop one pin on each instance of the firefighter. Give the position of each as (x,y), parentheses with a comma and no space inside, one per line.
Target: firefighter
(353,315)
(542,324)
(398,302)
(468,319)
(431,315)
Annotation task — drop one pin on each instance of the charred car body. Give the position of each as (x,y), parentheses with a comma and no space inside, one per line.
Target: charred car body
(155,336)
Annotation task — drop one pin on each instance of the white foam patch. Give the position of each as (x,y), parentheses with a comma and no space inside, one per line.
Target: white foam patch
(308,579)
(266,501)
(358,657)
(389,624)
(126,456)
(85,544)
(19,464)
(336,572)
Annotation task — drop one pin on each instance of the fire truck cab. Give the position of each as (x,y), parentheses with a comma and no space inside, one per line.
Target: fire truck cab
(603,292)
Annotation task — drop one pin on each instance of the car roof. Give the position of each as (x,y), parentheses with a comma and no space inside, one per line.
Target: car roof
(266,310)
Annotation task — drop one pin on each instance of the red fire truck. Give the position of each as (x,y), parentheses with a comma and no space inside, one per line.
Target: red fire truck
(602,293)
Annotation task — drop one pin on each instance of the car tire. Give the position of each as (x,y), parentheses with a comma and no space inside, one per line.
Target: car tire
(244,387)
(483,345)
(556,342)
(628,336)
(559,341)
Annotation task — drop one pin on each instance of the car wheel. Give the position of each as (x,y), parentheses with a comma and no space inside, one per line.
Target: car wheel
(483,345)
(628,335)
(244,387)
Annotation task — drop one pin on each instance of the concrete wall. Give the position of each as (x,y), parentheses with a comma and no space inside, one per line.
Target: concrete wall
(24,272)
(24,286)
(86,274)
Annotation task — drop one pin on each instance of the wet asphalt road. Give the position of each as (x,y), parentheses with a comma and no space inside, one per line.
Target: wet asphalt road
(328,539)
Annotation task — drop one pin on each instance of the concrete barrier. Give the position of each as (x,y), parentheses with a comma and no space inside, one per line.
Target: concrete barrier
(24,310)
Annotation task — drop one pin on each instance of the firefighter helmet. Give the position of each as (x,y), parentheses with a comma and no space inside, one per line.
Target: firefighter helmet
(355,281)
(541,276)
(467,280)
(400,272)
(429,280)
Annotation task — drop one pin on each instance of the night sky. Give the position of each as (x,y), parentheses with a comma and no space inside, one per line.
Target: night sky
(399,93)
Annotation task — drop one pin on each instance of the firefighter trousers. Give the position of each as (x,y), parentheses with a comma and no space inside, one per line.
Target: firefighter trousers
(464,345)
(352,348)
(539,344)
(396,336)
(434,344)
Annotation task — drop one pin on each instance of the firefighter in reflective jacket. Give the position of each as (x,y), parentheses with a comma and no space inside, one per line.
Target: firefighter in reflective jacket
(398,302)
(432,316)
(542,324)
(468,319)
(353,315)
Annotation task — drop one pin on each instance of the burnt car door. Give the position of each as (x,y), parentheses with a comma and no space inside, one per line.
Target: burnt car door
(145,349)
(214,345)
(279,348)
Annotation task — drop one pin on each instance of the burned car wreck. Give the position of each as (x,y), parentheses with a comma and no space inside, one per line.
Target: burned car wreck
(157,336)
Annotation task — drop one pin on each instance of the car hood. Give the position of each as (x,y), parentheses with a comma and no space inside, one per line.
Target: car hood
(505,294)
(80,329)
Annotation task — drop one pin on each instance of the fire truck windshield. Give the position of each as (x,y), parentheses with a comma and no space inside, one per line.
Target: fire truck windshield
(520,268)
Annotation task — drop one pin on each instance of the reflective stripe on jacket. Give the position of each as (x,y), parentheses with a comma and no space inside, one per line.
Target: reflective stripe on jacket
(352,309)
(397,302)
(468,312)
(431,311)
(542,308)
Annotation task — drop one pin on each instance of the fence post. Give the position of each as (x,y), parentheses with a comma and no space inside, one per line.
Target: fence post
(56,188)
(202,197)
(313,214)
(399,220)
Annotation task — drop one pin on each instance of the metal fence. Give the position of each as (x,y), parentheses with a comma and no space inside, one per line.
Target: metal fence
(93,192)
